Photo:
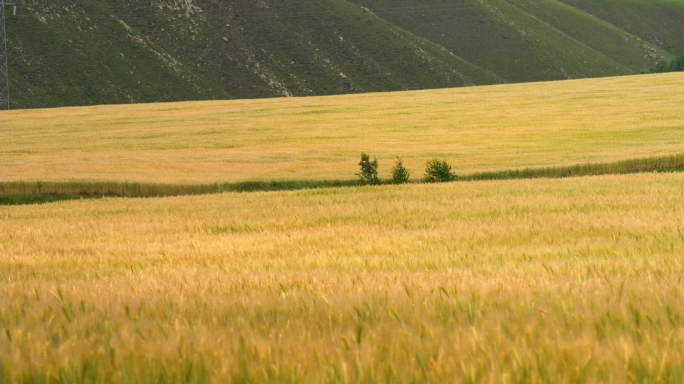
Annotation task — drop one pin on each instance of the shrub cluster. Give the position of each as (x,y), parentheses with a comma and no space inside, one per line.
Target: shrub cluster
(400,175)
(676,65)
(369,170)
(436,171)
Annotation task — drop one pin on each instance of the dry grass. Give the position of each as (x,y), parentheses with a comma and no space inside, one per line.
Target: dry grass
(561,280)
(320,138)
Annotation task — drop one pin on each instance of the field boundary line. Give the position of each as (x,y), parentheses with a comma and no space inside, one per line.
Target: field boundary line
(35,192)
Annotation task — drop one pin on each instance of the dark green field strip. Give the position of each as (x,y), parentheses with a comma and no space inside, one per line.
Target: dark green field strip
(20,192)
(674,163)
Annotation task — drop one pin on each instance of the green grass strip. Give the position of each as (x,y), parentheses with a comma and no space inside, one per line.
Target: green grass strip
(21,192)
(673,163)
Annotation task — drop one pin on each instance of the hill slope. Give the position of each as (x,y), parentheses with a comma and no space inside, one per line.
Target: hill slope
(104,51)
(524,40)
(113,52)
(659,22)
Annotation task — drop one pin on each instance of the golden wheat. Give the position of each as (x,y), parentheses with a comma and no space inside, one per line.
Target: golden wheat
(564,280)
(475,129)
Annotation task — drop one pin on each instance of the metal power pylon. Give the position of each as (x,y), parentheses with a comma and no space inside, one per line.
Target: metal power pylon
(4,74)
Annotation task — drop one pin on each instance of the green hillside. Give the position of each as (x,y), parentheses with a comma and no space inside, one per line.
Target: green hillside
(659,22)
(306,47)
(524,40)
(118,52)
(82,54)
(87,52)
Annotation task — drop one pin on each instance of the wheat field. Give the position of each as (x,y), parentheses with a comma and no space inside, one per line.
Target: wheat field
(563,280)
(320,138)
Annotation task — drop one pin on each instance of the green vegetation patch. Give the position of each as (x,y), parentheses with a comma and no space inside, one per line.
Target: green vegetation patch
(20,193)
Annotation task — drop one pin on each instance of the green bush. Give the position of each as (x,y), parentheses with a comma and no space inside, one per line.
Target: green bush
(438,171)
(369,170)
(400,175)
(676,65)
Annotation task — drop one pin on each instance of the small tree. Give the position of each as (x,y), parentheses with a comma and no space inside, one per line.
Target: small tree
(400,175)
(438,171)
(369,170)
